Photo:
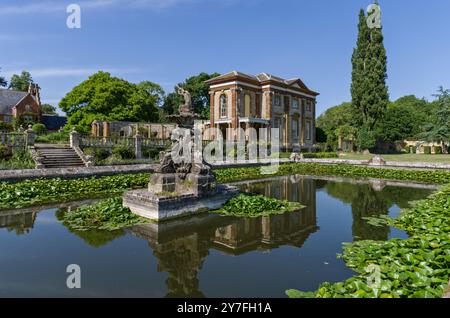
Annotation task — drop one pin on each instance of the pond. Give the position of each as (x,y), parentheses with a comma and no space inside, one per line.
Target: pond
(206,255)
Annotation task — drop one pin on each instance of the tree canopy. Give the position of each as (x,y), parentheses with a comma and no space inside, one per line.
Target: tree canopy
(3,82)
(438,129)
(21,82)
(369,91)
(199,91)
(333,119)
(48,109)
(103,97)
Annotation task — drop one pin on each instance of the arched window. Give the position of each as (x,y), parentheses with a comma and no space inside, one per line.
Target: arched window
(223,106)
(247,102)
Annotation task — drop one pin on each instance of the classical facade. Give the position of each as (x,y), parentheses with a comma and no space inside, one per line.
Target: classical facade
(17,104)
(238,100)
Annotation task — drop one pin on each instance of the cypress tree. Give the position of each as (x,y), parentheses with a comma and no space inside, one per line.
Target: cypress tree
(370,95)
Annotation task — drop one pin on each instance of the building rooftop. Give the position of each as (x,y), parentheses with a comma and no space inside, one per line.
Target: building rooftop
(262,78)
(9,99)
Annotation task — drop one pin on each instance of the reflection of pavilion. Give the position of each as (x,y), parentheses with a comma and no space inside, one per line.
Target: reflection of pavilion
(20,222)
(182,245)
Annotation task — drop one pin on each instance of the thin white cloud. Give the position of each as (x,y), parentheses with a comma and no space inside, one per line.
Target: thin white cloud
(49,6)
(70,72)
(52,6)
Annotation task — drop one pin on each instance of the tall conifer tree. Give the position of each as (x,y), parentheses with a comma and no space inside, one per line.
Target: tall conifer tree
(370,95)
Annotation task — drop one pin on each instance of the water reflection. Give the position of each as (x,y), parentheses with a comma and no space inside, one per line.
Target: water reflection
(180,248)
(19,222)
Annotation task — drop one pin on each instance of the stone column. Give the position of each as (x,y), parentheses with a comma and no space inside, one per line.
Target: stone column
(74,140)
(138,146)
(106,129)
(313,123)
(234,115)
(30,136)
(211,112)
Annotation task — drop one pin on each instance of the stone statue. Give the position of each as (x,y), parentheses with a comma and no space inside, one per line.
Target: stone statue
(187,106)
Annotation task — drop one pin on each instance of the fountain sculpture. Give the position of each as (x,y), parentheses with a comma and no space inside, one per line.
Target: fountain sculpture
(183,183)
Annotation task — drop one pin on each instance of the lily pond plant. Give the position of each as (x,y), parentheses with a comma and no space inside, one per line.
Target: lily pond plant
(42,191)
(249,205)
(416,267)
(110,215)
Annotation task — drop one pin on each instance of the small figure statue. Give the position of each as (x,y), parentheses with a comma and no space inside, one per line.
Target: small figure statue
(187,106)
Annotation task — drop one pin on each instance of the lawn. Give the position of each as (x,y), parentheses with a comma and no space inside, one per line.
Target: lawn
(401,157)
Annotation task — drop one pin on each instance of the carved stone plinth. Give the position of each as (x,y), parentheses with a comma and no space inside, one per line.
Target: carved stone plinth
(172,183)
(159,207)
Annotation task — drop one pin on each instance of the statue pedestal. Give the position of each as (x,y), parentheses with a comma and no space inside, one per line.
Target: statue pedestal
(169,205)
(171,183)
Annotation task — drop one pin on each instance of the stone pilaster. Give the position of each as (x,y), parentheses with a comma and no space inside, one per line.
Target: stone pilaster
(138,146)
(211,112)
(74,140)
(30,135)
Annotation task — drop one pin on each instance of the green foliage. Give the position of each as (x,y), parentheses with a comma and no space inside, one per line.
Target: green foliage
(321,136)
(103,97)
(438,130)
(39,129)
(320,155)
(405,118)
(107,215)
(369,91)
(123,152)
(152,153)
(245,205)
(332,120)
(98,154)
(21,82)
(154,90)
(23,119)
(412,149)
(17,159)
(5,152)
(358,172)
(48,109)
(3,81)
(40,191)
(427,150)
(437,150)
(54,137)
(417,267)
(199,91)
(6,127)
(366,138)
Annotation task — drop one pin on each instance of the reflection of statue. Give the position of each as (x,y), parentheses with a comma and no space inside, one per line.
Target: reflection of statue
(187,106)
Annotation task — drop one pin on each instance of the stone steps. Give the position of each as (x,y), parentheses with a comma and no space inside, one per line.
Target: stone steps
(59,157)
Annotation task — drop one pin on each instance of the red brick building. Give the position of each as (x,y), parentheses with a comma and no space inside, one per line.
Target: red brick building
(238,100)
(23,105)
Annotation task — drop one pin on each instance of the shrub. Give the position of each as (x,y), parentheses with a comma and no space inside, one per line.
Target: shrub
(39,129)
(438,150)
(124,152)
(17,159)
(427,150)
(6,127)
(5,152)
(55,137)
(152,153)
(412,149)
(320,155)
(98,154)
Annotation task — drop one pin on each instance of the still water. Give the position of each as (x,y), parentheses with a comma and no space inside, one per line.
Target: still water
(203,256)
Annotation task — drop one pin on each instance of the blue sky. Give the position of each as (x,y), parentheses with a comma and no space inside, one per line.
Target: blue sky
(166,41)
